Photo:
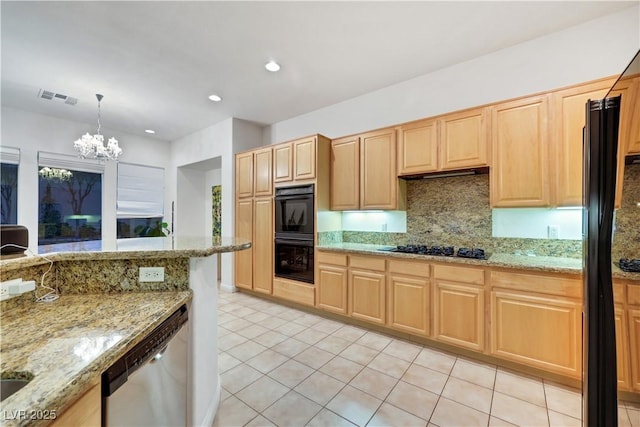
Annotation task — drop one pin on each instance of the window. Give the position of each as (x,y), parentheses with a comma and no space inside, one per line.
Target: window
(70,203)
(9,160)
(140,201)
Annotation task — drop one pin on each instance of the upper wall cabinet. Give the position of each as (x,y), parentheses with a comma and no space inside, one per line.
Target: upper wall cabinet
(520,163)
(568,120)
(295,160)
(254,173)
(452,142)
(363,172)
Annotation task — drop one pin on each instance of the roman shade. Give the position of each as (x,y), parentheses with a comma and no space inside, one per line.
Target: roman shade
(140,191)
(72,163)
(9,155)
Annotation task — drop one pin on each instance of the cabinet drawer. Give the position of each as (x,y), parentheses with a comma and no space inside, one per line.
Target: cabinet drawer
(294,291)
(459,274)
(419,269)
(332,258)
(369,263)
(553,285)
(633,293)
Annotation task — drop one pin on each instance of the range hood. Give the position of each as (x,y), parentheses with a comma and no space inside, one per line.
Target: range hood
(446,174)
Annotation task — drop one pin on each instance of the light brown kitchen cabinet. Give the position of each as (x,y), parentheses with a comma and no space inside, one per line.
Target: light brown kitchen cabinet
(84,412)
(569,116)
(536,319)
(622,348)
(332,282)
(282,163)
(409,296)
(296,160)
(244,175)
(452,142)
(263,245)
(634,345)
(458,307)
(292,290)
(262,172)
(520,153)
(367,289)
(418,147)
(464,139)
(243,263)
(345,173)
(378,178)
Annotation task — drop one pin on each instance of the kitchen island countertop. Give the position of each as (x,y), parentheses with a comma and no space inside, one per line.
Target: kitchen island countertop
(68,343)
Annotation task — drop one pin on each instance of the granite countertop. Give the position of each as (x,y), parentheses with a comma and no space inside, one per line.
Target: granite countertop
(160,247)
(68,343)
(536,263)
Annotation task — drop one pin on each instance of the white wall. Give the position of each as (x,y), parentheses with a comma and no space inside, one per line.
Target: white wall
(36,132)
(598,48)
(220,140)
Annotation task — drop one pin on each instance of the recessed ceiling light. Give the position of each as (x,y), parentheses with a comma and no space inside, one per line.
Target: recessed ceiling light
(272,66)
(150,131)
(215,98)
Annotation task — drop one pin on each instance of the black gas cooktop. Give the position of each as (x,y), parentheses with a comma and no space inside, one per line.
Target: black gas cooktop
(437,250)
(630,265)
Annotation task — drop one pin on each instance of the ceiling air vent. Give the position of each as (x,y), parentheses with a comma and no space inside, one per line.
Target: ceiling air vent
(52,96)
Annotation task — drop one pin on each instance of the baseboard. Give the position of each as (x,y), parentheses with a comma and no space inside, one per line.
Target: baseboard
(228,287)
(213,407)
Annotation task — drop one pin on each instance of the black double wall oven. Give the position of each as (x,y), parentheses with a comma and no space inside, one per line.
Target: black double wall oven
(294,227)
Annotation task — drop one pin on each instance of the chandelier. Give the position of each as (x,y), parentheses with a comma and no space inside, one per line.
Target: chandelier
(92,146)
(55,174)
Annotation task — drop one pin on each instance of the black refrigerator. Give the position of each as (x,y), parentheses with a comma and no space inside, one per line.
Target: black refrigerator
(600,157)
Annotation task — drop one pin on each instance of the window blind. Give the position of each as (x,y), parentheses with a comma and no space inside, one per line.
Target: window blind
(140,191)
(73,163)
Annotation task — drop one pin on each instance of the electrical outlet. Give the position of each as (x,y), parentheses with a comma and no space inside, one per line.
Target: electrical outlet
(151,274)
(552,231)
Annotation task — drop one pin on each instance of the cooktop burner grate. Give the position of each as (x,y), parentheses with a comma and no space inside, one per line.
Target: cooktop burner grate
(438,250)
(630,265)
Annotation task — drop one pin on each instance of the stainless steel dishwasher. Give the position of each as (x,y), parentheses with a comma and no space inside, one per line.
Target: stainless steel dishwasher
(148,385)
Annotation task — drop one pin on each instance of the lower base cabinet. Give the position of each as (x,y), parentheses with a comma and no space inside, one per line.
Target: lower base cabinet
(634,344)
(332,282)
(292,290)
(409,297)
(459,315)
(539,331)
(83,412)
(367,289)
(622,349)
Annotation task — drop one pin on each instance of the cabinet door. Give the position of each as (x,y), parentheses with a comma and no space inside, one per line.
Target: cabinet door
(282,163)
(520,166)
(418,147)
(244,259)
(543,332)
(263,178)
(378,179)
(263,245)
(304,159)
(409,303)
(332,288)
(569,119)
(459,314)
(366,295)
(464,140)
(244,175)
(634,345)
(629,124)
(85,412)
(345,173)
(622,349)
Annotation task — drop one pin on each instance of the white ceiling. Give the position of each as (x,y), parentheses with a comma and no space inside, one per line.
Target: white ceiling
(156,62)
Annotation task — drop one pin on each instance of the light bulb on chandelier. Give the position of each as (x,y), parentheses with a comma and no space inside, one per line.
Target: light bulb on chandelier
(92,146)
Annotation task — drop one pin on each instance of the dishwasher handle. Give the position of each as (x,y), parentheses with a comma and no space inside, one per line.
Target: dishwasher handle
(156,341)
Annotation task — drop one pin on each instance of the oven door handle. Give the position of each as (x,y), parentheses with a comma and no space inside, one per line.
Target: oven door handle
(294,197)
(296,242)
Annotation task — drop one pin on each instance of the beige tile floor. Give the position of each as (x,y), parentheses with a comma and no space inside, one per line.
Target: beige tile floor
(284,367)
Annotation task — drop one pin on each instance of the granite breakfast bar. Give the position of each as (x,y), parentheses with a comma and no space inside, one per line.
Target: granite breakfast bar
(102,312)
